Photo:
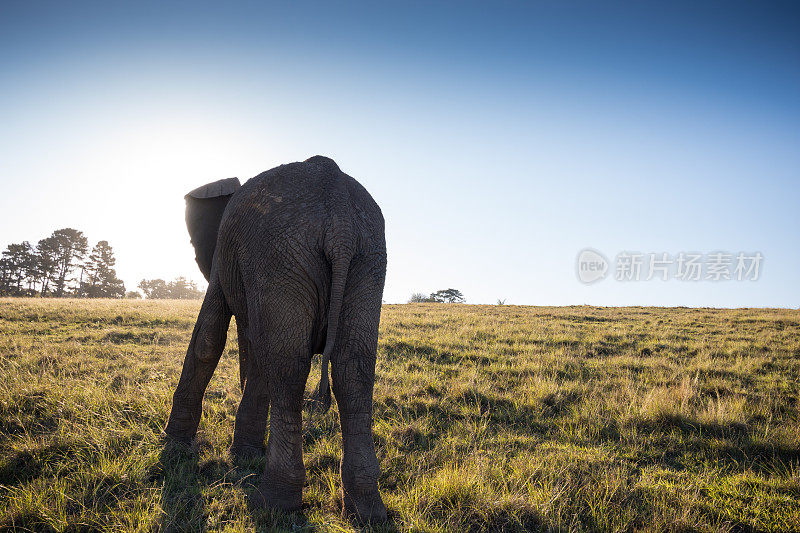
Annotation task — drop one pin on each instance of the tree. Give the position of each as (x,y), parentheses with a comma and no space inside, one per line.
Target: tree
(451,296)
(5,276)
(133,295)
(419,297)
(67,248)
(18,269)
(46,252)
(9,273)
(102,281)
(154,289)
(183,289)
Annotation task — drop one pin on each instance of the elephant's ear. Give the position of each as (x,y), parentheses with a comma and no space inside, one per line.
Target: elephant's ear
(204,208)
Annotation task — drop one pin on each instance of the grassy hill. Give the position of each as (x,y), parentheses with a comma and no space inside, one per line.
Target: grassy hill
(486,418)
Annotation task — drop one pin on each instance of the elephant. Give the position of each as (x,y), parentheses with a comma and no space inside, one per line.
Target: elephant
(298,255)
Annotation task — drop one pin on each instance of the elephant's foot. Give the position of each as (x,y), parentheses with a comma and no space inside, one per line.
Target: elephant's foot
(181,429)
(180,435)
(360,496)
(248,439)
(177,440)
(243,453)
(363,506)
(280,496)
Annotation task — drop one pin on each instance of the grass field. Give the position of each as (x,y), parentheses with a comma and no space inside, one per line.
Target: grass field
(487,418)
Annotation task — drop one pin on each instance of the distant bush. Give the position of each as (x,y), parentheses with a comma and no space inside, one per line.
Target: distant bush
(179,289)
(450,296)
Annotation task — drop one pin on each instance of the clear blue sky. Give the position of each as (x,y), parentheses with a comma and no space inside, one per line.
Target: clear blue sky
(499,138)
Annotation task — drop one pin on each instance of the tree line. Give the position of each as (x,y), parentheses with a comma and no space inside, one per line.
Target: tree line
(60,265)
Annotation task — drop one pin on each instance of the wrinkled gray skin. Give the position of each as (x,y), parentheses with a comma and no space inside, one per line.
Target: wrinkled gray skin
(300,259)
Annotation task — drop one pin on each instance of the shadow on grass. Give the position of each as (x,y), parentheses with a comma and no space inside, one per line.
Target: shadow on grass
(270,520)
(184,479)
(60,461)
(731,524)
(466,513)
(27,522)
(26,465)
(32,413)
(732,443)
(181,495)
(400,350)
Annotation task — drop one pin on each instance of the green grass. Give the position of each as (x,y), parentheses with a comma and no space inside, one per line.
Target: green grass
(486,418)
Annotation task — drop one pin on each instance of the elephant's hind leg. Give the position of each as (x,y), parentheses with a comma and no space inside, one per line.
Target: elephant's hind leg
(282,356)
(251,417)
(205,349)
(353,368)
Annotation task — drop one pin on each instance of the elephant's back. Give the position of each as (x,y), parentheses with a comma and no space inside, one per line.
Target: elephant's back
(307,181)
(298,202)
(292,194)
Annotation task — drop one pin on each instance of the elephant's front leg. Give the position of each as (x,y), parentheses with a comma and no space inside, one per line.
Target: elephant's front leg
(205,349)
(251,417)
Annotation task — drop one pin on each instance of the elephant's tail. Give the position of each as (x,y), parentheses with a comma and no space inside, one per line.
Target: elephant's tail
(339,267)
